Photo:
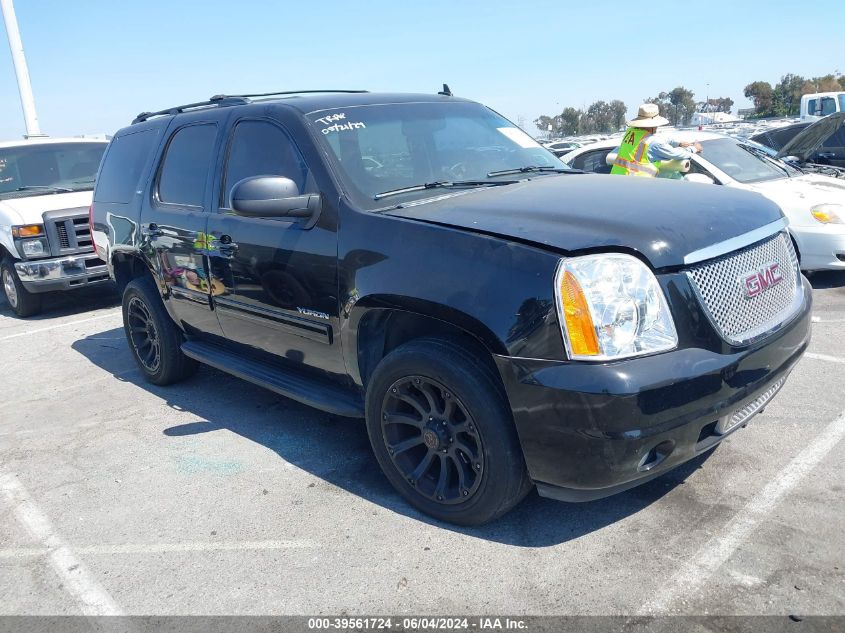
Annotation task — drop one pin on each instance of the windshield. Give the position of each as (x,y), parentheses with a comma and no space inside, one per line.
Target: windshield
(743,164)
(49,168)
(384,148)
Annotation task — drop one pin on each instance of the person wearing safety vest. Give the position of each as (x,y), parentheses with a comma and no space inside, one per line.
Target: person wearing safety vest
(640,153)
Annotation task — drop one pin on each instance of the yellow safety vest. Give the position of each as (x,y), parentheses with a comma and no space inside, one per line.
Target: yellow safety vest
(632,158)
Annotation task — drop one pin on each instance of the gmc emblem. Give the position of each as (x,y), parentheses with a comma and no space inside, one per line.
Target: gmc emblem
(758,281)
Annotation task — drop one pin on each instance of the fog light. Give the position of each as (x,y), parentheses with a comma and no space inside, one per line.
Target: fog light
(656,455)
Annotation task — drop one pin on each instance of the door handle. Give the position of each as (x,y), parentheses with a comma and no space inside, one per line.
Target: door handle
(151,230)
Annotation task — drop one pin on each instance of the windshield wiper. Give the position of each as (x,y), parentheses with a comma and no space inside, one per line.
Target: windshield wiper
(45,188)
(756,151)
(446,184)
(534,168)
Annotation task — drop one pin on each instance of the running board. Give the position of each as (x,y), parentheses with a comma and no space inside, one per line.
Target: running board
(316,392)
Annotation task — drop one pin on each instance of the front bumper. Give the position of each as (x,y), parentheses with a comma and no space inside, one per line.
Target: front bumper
(62,273)
(821,247)
(592,430)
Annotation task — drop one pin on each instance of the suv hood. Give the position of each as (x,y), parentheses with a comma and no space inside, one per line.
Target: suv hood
(808,141)
(29,210)
(661,219)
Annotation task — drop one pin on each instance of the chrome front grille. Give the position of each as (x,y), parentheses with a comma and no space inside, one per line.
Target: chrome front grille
(744,294)
(68,232)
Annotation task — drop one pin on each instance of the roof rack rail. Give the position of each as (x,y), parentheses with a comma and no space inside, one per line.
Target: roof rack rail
(216,101)
(287,92)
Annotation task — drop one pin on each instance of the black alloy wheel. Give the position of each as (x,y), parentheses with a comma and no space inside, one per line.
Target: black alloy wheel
(154,339)
(432,440)
(443,433)
(143,334)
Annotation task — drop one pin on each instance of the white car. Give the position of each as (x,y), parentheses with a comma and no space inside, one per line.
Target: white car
(813,203)
(46,186)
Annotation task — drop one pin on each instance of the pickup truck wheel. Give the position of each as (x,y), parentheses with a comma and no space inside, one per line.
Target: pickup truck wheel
(22,302)
(154,339)
(443,433)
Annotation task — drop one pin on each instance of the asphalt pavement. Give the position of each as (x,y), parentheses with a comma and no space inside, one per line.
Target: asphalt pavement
(217,497)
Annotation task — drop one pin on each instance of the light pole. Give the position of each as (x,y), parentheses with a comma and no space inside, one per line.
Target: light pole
(18,59)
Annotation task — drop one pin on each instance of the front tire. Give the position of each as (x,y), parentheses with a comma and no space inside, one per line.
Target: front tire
(153,338)
(442,432)
(22,302)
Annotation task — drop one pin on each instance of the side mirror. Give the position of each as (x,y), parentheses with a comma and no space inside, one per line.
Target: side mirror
(272,197)
(700,178)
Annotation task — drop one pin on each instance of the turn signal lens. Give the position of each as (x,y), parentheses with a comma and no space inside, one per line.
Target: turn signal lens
(827,213)
(576,313)
(27,230)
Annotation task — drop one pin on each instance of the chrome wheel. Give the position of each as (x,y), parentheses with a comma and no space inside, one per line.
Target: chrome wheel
(432,440)
(143,334)
(9,288)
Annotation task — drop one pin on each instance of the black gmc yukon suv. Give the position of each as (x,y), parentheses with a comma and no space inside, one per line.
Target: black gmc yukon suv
(499,320)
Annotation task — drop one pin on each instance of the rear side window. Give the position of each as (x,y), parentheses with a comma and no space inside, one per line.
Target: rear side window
(185,166)
(260,148)
(127,155)
(828,106)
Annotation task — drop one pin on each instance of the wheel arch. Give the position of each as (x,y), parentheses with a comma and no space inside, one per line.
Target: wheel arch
(379,330)
(127,266)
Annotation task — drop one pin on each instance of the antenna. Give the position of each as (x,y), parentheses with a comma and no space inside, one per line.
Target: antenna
(445,92)
(19,61)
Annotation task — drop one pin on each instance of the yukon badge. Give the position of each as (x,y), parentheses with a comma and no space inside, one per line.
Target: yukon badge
(756,282)
(313,313)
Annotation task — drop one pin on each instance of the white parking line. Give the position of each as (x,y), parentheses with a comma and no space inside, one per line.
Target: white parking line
(53,327)
(830,359)
(689,579)
(161,548)
(90,597)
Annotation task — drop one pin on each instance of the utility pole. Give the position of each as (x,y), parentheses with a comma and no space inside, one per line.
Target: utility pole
(18,59)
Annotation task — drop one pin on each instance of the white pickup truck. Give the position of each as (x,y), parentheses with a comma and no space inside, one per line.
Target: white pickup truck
(46,186)
(820,104)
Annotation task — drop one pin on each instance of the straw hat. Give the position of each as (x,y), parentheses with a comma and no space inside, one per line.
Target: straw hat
(648,116)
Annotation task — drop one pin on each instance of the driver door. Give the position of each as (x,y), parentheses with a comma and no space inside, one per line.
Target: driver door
(275,279)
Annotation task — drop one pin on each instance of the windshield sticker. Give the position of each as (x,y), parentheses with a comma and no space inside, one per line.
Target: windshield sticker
(519,137)
(331,123)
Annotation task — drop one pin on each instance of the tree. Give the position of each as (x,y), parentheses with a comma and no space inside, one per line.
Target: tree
(683,105)
(618,110)
(546,124)
(677,105)
(570,118)
(787,95)
(761,93)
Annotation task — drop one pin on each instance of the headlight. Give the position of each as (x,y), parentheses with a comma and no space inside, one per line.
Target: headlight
(34,248)
(611,306)
(828,213)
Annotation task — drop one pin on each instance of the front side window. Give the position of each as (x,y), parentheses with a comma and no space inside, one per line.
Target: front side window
(742,163)
(379,148)
(184,170)
(260,148)
(595,162)
(45,168)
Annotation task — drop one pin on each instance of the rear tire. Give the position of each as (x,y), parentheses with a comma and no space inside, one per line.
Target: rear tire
(154,340)
(443,433)
(22,302)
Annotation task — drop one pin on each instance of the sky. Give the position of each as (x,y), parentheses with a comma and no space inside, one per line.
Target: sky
(95,64)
